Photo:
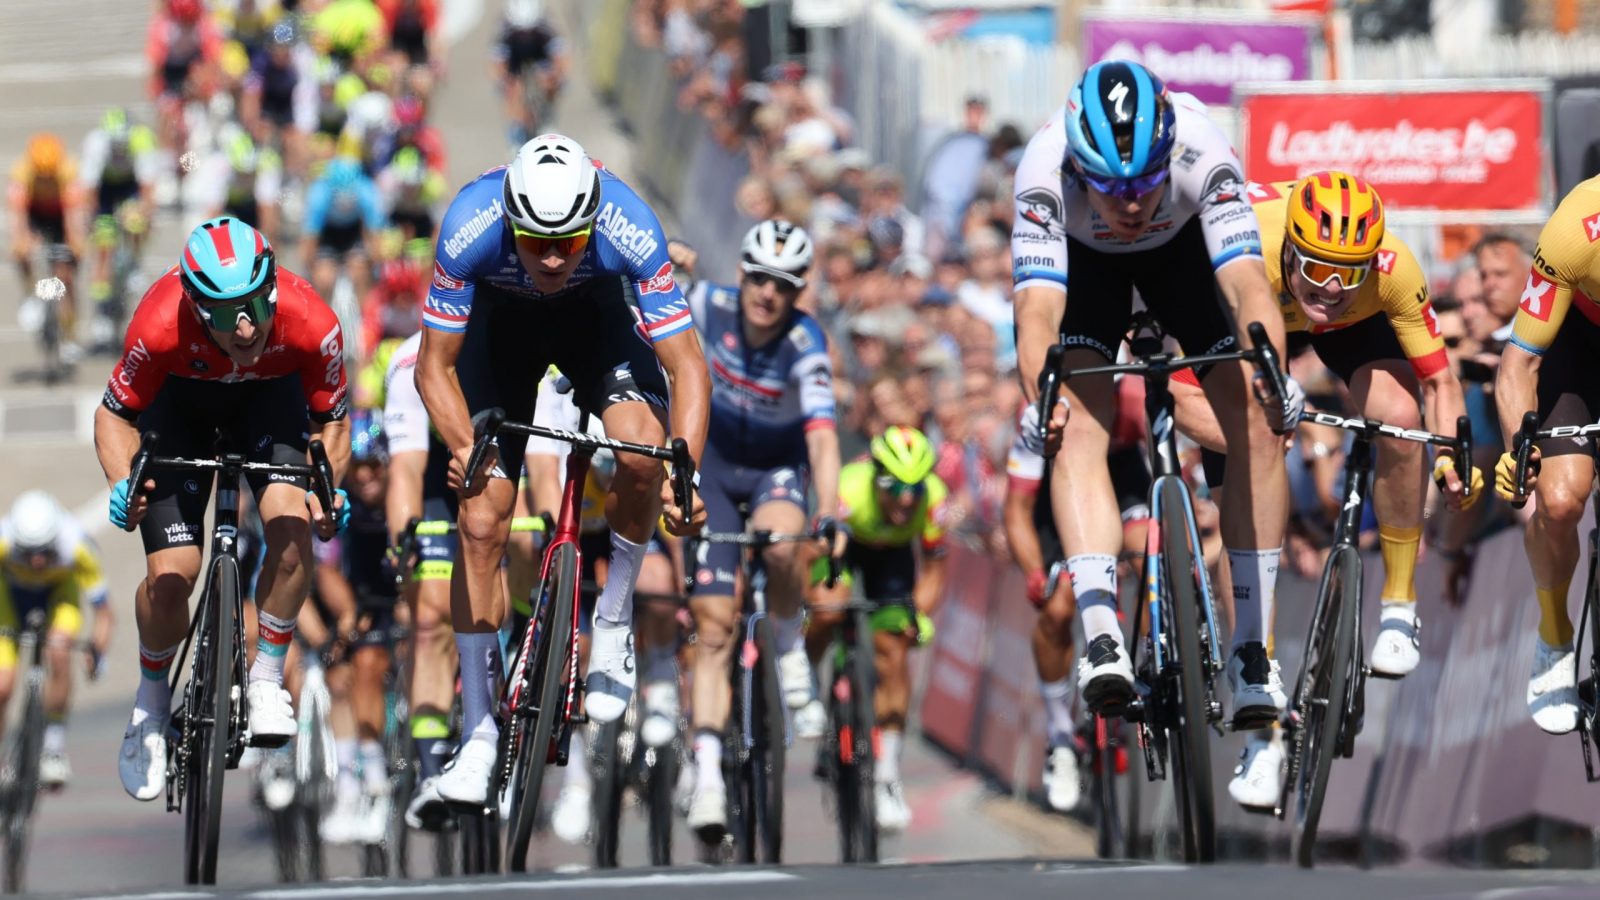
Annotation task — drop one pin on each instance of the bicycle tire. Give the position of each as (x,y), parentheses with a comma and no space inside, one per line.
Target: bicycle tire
(285,846)
(1321,697)
(212,699)
(28,744)
(1190,722)
(842,770)
(401,786)
(661,778)
(311,821)
(739,776)
(607,814)
(543,677)
(1109,838)
(313,796)
(768,755)
(864,694)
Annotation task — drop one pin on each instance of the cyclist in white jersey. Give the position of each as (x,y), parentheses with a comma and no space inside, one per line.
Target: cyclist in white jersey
(1133,186)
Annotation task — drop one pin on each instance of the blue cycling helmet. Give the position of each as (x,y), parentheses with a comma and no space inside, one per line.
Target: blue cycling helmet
(342,173)
(1120,121)
(225,259)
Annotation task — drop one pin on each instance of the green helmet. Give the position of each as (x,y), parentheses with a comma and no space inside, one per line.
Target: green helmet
(904,453)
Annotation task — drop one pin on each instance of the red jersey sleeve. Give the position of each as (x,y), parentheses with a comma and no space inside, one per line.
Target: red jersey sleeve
(146,351)
(320,347)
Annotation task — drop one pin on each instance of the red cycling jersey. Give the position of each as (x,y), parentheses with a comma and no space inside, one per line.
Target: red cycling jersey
(166,337)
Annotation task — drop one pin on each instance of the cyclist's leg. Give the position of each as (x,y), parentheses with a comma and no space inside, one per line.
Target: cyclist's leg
(716,622)
(657,624)
(1567,396)
(22,246)
(779,505)
(105,243)
(889,576)
(1080,483)
(369,705)
(1052,658)
(66,622)
(616,376)
(10,620)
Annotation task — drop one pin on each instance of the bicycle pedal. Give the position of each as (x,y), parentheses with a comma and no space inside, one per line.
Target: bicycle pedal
(1386,676)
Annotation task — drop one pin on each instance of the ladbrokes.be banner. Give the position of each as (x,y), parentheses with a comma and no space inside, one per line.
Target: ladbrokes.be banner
(1443,149)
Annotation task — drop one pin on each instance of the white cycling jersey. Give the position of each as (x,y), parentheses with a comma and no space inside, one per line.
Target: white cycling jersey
(1205,183)
(405,419)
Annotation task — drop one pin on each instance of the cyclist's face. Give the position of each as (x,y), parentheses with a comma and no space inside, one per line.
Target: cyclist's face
(898,502)
(367,482)
(1321,305)
(1127,218)
(39,560)
(550,263)
(766,299)
(246,342)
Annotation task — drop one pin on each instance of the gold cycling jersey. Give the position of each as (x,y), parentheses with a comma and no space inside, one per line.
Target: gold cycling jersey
(1565,271)
(860,512)
(76,574)
(1397,288)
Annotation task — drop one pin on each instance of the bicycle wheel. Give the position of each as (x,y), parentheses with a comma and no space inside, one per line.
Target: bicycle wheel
(841,771)
(401,785)
(607,812)
(769,758)
(1186,680)
(661,777)
(208,721)
(864,722)
(25,788)
(285,842)
(544,678)
(1103,747)
(1320,694)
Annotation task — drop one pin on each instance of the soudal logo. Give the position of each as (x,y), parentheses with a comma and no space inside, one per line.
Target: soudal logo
(639,243)
(1344,145)
(659,283)
(472,228)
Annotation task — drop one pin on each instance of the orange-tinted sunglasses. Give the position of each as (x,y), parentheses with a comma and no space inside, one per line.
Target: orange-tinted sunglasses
(543,245)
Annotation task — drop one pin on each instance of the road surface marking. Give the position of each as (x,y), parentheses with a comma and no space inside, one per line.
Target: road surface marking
(708,879)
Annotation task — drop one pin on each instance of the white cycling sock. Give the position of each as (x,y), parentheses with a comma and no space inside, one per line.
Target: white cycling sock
(480,668)
(345,750)
(888,765)
(1255,585)
(615,605)
(374,766)
(577,771)
(1057,696)
(154,696)
(55,738)
(708,757)
(1094,581)
(273,636)
(789,634)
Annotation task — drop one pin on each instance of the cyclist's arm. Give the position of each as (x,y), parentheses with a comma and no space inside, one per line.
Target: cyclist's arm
(1196,418)
(1546,300)
(1017,519)
(440,387)
(930,584)
(105,623)
(336,593)
(685,365)
(115,441)
(403,502)
(1244,285)
(822,449)
(1039,312)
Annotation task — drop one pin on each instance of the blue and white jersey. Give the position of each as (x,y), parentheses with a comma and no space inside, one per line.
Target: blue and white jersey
(476,248)
(763,399)
(358,205)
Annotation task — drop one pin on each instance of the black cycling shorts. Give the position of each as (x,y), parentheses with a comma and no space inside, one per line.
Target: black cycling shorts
(338,240)
(887,575)
(110,195)
(589,333)
(1176,281)
(265,420)
(724,486)
(1569,388)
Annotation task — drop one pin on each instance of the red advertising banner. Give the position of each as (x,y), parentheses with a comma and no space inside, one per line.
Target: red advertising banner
(1426,149)
(960,653)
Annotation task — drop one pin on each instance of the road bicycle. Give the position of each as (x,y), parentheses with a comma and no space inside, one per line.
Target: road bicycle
(1589,620)
(1177,658)
(847,756)
(543,699)
(207,731)
(311,768)
(757,737)
(1328,702)
(19,777)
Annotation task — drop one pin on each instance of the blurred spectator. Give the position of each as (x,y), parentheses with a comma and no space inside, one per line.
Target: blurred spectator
(952,175)
(1503,264)
(987,293)
(885,199)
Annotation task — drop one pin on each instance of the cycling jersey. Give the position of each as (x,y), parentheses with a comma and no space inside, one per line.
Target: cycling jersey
(76,574)
(409,25)
(519,48)
(278,86)
(348,28)
(173,48)
(1565,272)
(405,419)
(557,410)
(130,161)
(166,338)
(345,209)
(1204,186)
(1398,290)
(763,399)
(475,249)
(44,198)
(859,511)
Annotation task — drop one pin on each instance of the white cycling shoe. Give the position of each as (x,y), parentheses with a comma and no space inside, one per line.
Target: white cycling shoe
(1257,686)
(1105,676)
(54,771)
(660,723)
(270,713)
(465,780)
(427,810)
(612,673)
(1553,687)
(569,819)
(708,812)
(1258,779)
(894,815)
(1062,788)
(142,764)
(794,674)
(810,721)
(1398,648)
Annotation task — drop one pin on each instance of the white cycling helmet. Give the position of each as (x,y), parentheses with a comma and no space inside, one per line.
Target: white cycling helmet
(524,13)
(777,247)
(36,521)
(552,187)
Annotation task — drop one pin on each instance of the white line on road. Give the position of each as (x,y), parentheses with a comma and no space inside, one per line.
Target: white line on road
(77,69)
(708,879)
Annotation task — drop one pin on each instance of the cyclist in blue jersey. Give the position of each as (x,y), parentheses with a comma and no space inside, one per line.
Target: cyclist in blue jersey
(344,213)
(772,431)
(553,259)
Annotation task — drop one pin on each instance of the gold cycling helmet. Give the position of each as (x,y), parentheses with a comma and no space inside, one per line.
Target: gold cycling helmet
(1335,216)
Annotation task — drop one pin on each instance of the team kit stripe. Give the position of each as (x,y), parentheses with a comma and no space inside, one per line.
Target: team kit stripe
(222,240)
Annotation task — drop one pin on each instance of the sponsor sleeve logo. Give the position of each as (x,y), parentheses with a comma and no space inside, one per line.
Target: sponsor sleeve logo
(1385,261)
(1537,296)
(1256,192)
(332,350)
(659,283)
(1223,186)
(1431,319)
(444,282)
(1041,207)
(1591,227)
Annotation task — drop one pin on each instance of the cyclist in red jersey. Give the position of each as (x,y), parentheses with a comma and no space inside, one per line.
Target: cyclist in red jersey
(223,342)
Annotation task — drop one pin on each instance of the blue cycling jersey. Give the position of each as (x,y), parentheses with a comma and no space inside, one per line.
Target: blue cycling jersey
(763,399)
(357,205)
(475,248)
